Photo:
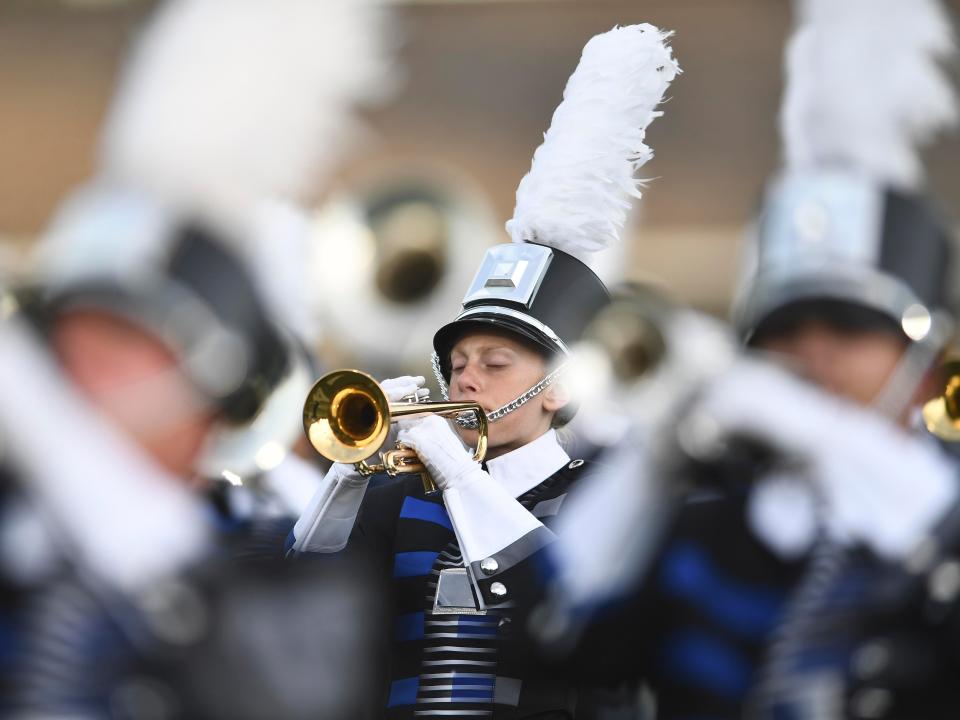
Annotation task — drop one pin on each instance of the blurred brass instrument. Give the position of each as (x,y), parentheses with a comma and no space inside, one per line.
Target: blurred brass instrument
(347,418)
(630,331)
(414,237)
(942,414)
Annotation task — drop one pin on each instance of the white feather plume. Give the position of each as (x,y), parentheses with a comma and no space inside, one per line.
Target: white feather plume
(234,101)
(865,86)
(233,110)
(578,192)
(283,260)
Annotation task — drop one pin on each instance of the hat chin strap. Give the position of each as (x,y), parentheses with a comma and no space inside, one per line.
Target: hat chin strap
(467,420)
(919,357)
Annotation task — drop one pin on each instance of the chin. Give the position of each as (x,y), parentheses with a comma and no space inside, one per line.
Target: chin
(468,436)
(496,444)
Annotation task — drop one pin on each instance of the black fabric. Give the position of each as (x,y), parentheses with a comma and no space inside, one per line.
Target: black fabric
(696,628)
(705,623)
(568,298)
(692,607)
(916,247)
(17,595)
(233,636)
(382,534)
(860,607)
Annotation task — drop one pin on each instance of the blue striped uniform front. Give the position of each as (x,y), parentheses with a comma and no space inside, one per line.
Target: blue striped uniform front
(403,692)
(412,564)
(459,687)
(416,509)
(473,626)
(472,689)
(462,627)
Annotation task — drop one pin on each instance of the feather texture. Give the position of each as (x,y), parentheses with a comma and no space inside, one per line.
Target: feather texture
(283,260)
(865,86)
(241,100)
(579,189)
(231,110)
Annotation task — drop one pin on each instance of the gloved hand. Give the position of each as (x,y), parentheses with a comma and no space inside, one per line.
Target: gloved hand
(439,448)
(879,485)
(402,389)
(485,515)
(398,388)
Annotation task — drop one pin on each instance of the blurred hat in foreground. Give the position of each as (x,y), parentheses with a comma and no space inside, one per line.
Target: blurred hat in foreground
(847,219)
(227,115)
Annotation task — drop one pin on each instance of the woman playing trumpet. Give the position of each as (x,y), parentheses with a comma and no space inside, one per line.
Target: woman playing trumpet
(458,559)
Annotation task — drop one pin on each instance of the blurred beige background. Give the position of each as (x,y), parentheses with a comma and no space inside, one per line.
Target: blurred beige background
(481,82)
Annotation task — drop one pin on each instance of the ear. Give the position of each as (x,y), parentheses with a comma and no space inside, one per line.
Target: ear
(556,396)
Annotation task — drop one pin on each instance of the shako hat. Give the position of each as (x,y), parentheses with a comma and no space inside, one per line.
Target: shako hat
(574,201)
(847,223)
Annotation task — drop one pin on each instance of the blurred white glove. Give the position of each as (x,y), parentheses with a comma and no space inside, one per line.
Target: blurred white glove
(485,515)
(127,520)
(879,485)
(326,524)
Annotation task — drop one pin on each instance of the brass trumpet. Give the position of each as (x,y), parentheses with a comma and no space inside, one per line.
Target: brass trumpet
(347,417)
(942,414)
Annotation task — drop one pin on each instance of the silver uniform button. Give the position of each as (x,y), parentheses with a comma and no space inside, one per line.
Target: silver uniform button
(575,464)
(498,589)
(489,566)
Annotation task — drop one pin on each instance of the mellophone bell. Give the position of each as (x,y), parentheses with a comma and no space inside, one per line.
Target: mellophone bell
(347,419)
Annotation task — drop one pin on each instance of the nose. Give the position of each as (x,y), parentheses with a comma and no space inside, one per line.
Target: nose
(468,380)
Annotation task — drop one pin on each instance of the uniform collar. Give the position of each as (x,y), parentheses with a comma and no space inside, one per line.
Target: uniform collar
(526,467)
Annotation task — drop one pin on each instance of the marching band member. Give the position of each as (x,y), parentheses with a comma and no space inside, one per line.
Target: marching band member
(146,335)
(459,558)
(760,595)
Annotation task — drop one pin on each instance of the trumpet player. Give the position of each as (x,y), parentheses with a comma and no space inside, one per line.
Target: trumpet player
(817,581)
(459,559)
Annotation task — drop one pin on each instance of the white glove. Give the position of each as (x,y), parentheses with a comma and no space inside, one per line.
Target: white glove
(402,389)
(879,485)
(440,449)
(326,524)
(485,515)
(397,389)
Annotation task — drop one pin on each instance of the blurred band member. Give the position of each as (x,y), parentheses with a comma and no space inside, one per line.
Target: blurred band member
(156,338)
(760,599)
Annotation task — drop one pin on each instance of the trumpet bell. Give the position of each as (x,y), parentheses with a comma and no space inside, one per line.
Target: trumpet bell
(346,416)
(942,414)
